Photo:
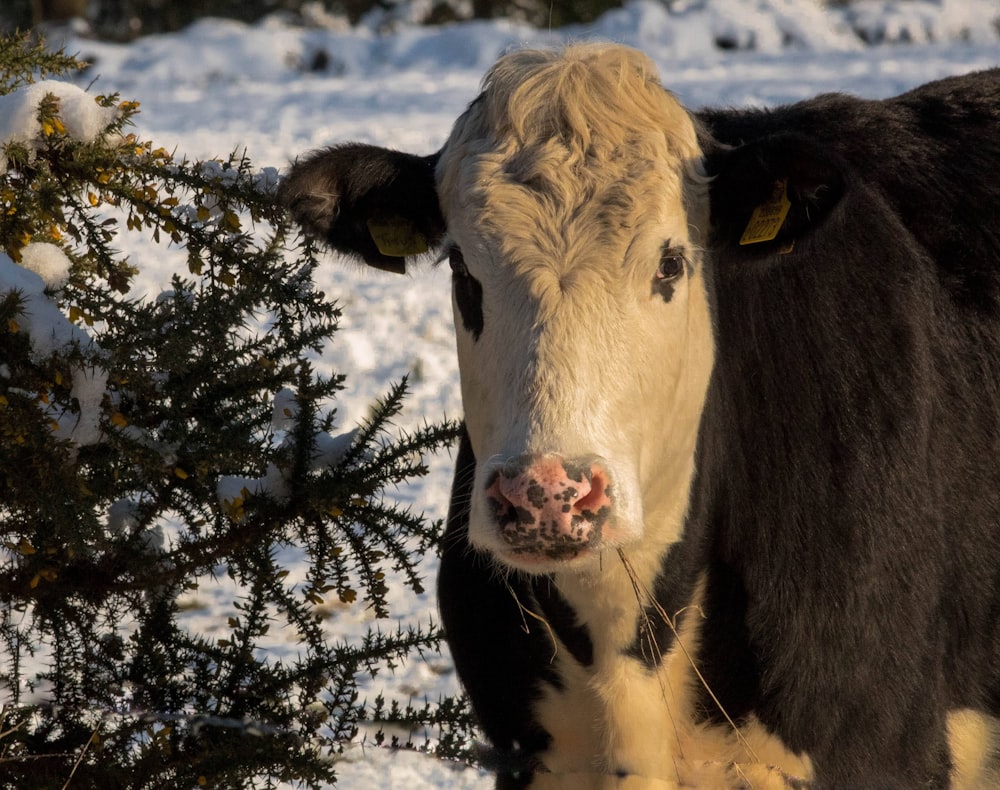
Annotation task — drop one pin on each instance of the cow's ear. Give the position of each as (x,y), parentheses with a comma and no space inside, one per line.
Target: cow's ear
(371,203)
(767,193)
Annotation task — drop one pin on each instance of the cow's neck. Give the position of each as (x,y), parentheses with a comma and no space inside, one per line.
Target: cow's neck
(628,710)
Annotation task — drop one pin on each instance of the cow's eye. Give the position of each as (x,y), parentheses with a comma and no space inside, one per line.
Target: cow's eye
(457,262)
(671,264)
(468,293)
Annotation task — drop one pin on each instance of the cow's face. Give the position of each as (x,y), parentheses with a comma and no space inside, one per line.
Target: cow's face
(574,217)
(572,205)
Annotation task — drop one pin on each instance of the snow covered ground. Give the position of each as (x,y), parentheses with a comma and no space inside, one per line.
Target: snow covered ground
(221,85)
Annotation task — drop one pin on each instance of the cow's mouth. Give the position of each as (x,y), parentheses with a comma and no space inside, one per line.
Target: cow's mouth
(549,540)
(541,562)
(547,551)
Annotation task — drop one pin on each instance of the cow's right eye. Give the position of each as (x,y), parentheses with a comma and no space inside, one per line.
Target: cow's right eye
(457,262)
(468,293)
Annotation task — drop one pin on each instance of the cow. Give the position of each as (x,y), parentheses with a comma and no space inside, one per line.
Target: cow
(726,512)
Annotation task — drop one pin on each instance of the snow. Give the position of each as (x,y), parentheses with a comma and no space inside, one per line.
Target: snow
(49,262)
(220,86)
(83,117)
(43,269)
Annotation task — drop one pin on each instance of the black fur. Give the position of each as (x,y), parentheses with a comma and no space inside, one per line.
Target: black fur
(847,471)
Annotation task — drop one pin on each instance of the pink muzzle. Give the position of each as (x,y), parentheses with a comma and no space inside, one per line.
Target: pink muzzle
(549,506)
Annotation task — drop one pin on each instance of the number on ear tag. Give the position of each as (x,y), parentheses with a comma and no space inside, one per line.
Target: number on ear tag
(768,217)
(397,237)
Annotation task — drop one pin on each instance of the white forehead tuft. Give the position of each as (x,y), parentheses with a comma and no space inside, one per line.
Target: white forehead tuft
(588,121)
(580,93)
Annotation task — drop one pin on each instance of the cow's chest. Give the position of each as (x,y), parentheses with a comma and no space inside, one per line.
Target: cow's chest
(628,718)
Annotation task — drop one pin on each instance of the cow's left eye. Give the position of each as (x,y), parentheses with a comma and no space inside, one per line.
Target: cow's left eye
(671,264)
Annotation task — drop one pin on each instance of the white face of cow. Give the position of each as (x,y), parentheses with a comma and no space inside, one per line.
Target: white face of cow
(575,211)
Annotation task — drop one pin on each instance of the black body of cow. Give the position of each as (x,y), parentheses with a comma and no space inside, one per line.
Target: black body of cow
(847,501)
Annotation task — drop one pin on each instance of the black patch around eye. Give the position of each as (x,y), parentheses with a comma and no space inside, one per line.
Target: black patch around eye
(670,269)
(468,294)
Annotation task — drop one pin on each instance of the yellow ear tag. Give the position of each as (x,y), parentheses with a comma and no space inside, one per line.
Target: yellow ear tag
(767,218)
(397,237)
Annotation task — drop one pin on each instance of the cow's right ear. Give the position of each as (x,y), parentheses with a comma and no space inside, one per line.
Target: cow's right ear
(368,202)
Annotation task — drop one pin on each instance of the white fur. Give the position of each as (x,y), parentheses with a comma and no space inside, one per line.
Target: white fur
(974,742)
(561,184)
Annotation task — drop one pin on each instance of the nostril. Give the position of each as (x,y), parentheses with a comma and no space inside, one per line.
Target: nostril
(512,490)
(509,502)
(597,497)
(496,491)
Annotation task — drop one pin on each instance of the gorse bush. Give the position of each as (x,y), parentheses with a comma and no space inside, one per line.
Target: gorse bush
(150,445)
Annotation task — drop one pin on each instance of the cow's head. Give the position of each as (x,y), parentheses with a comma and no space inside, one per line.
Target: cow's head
(572,205)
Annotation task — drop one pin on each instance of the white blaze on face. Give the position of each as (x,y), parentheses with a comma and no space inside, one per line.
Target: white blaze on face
(571,188)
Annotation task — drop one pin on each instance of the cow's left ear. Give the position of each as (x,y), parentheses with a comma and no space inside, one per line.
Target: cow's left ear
(368,202)
(767,193)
